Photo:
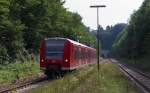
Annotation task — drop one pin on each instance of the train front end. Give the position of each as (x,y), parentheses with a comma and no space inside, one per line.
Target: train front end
(52,55)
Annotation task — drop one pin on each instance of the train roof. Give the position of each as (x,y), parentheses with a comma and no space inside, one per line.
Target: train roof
(72,41)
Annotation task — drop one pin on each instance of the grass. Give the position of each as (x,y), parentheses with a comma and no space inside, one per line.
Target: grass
(88,80)
(17,70)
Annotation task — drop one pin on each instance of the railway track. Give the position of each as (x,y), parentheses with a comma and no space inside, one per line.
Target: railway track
(9,88)
(27,84)
(140,79)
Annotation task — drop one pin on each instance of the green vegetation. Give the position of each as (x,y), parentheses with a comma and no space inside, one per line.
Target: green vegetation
(87,80)
(134,42)
(108,35)
(14,71)
(24,23)
(142,64)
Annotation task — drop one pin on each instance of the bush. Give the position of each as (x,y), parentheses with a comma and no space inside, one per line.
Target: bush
(17,70)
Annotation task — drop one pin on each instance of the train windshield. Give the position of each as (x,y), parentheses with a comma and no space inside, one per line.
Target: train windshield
(54,49)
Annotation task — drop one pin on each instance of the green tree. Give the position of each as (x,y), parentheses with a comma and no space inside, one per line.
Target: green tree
(134,41)
(11,39)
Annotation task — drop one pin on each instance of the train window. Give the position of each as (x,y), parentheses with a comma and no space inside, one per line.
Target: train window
(77,55)
(83,55)
(54,49)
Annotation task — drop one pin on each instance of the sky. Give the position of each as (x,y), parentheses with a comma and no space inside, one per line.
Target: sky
(117,11)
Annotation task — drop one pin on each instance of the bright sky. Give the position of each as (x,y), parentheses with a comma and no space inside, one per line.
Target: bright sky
(117,11)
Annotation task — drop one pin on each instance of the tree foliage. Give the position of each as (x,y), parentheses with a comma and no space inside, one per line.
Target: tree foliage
(24,23)
(108,36)
(133,42)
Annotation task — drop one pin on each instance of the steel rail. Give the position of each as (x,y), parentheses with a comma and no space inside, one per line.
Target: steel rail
(140,79)
(9,88)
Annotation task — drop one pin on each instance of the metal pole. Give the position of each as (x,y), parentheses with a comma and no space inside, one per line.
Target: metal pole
(98,54)
(98,41)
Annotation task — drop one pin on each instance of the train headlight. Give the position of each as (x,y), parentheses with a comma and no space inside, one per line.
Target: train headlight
(66,60)
(42,60)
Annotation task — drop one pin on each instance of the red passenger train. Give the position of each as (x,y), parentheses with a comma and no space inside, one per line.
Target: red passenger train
(62,54)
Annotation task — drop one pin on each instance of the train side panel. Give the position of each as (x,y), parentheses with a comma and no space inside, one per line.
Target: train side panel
(42,55)
(67,56)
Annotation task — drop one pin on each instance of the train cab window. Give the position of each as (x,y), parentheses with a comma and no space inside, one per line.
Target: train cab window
(54,49)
